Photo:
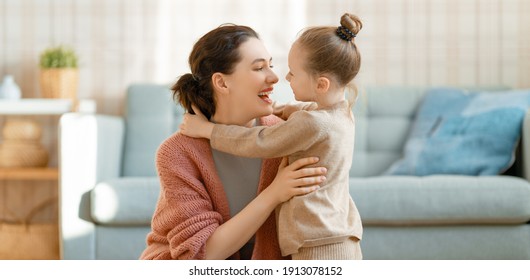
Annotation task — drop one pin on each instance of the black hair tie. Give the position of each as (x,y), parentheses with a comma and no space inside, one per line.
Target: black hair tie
(345,34)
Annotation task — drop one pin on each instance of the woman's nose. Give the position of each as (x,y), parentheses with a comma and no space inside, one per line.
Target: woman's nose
(272,77)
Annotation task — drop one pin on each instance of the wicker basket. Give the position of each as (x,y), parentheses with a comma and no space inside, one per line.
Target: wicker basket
(20,129)
(21,146)
(22,154)
(59,83)
(25,239)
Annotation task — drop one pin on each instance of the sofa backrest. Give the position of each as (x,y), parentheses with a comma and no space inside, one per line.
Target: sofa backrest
(383,115)
(383,119)
(150,117)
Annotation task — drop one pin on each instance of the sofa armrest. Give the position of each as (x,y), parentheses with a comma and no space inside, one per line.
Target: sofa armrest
(90,150)
(525,141)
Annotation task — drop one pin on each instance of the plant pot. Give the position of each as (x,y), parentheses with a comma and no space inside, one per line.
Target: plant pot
(59,83)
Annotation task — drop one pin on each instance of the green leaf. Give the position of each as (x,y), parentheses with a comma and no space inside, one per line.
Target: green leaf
(58,57)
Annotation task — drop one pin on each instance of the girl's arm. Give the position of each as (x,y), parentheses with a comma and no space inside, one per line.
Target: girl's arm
(283,111)
(291,180)
(199,127)
(298,133)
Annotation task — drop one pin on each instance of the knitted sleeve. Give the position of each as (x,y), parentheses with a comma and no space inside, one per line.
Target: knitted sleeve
(298,133)
(284,111)
(184,217)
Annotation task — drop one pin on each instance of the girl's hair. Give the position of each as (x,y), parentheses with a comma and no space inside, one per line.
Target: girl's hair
(216,51)
(332,50)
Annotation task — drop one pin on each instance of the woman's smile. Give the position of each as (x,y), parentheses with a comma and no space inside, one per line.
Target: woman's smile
(264,95)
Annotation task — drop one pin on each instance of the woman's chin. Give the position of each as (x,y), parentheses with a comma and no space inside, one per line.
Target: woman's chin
(265,111)
(269,109)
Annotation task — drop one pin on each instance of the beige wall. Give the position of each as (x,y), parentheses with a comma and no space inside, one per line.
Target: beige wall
(403,42)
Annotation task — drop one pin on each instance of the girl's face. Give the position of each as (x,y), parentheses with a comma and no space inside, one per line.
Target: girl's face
(301,82)
(249,85)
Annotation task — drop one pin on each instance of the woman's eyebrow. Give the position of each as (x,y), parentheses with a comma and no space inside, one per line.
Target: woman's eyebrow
(261,60)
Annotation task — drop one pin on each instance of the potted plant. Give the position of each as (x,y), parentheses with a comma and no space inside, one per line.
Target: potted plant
(59,75)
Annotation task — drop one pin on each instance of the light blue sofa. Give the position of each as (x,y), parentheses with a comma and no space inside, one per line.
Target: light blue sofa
(108,183)
(109,188)
(432,217)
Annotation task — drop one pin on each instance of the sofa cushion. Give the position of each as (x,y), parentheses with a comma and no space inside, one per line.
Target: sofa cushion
(383,116)
(462,132)
(129,201)
(441,199)
(147,126)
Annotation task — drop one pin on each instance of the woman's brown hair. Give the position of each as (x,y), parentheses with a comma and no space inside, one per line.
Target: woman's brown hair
(216,51)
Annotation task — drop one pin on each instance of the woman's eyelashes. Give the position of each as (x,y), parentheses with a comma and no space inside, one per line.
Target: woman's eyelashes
(263,64)
(260,68)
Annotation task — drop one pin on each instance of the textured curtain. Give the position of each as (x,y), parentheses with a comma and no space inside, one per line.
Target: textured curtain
(403,42)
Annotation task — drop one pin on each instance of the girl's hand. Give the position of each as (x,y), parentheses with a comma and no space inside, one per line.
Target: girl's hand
(295,179)
(197,125)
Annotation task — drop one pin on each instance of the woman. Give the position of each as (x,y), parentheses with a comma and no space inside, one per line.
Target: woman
(208,207)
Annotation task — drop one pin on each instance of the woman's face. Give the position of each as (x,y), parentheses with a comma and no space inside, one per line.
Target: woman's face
(249,86)
(299,79)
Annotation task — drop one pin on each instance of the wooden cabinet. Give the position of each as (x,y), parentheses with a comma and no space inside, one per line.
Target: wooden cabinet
(22,188)
(34,110)
(29,174)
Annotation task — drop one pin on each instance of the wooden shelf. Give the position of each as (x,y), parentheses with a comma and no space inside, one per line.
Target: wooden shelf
(35,106)
(45,106)
(29,174)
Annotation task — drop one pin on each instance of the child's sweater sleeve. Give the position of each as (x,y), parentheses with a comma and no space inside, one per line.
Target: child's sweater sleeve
(300,132)
(283,111)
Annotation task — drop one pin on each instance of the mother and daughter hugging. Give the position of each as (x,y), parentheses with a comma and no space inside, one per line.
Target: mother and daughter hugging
(246,178)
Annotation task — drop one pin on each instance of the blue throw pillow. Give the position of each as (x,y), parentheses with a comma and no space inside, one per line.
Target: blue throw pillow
(462,132)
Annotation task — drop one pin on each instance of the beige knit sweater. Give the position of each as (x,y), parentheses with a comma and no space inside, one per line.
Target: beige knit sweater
(327,215)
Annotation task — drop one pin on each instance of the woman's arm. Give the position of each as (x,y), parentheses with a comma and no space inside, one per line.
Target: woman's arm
(291,180)
(186,218)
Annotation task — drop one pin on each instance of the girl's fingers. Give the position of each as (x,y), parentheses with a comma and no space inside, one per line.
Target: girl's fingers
(196,110)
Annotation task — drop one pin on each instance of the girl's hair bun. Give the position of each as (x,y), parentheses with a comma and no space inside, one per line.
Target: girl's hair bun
(350,25)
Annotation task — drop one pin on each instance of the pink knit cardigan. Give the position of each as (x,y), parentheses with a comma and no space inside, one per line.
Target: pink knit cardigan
(192,202)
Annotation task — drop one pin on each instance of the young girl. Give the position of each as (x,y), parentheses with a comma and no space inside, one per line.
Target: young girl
(324,224)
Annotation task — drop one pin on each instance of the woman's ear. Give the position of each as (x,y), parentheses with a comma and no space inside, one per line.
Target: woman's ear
(219,83)
(323,84)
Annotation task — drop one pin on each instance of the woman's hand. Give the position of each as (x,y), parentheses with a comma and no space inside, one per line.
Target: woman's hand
(291,180)
(197,125)
(295,179)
